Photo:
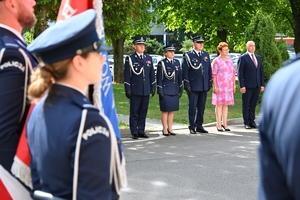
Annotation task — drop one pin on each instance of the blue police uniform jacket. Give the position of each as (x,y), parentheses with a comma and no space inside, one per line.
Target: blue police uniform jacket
(52,132)
(249,75)
(15,68)
(197,72)
(169,77)
(279,136)
(139,77)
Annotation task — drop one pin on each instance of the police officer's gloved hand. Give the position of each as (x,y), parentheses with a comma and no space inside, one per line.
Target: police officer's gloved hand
(128,94)
(161,96)
(152,93)
(180,94)
(188,90)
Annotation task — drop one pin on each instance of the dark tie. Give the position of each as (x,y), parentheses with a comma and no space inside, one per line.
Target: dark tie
(141,56)
(171,61)
(253,59)
(199,54)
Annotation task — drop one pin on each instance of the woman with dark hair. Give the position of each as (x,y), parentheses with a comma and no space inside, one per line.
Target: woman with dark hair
(169,88)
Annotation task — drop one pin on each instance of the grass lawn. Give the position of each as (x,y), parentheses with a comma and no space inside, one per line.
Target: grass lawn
(181,116)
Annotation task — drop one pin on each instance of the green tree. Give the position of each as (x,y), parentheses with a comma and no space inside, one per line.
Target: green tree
(187,45)
(281,45)
(122,20)
(152,47)
(216,20)
(261,30)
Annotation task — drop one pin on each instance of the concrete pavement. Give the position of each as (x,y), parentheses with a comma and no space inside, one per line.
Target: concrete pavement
(154,127)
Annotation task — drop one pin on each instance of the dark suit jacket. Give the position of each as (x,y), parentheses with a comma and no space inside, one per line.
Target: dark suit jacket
(137,81)
(249,75)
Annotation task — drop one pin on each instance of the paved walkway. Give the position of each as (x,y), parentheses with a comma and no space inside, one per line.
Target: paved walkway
(154,127)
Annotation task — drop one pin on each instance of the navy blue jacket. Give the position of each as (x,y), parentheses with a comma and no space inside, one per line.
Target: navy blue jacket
(197,79)
(15,64)
(139,77)
(279,147)
(52,132)
(249,75)
(166,82)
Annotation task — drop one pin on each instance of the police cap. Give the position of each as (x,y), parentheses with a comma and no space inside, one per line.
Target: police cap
(139,40)
(74,36)
(198,38)
(169,48)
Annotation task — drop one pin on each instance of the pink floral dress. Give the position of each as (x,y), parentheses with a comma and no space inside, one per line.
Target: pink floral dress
(224,72)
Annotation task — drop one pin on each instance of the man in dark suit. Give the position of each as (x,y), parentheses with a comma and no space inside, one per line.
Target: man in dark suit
(251,81)
(139,83)
(16,64)
(197,78)
(279,136)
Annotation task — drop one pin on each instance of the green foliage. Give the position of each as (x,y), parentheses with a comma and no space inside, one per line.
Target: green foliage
(152,47)
(281,45)
(187,45)
(216,20)
(28,35)
(261,30)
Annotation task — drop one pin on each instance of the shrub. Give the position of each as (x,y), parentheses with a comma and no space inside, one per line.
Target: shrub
(281,45)
(261,30)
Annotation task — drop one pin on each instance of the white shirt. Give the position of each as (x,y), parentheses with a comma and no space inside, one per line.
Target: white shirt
(250,54)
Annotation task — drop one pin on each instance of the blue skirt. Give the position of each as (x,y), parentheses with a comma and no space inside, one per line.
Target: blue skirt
(169,103)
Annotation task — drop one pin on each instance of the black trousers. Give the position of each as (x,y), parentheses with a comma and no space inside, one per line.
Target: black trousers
(249,103)
(197,102)
(138,113)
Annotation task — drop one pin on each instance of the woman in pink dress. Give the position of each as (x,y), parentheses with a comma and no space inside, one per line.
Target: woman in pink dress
(223,74)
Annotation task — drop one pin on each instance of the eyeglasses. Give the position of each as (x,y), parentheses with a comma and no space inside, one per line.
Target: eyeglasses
(225,49)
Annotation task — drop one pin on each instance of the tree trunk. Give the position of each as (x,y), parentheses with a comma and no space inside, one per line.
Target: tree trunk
(118,50)
(295,5)
(222,34)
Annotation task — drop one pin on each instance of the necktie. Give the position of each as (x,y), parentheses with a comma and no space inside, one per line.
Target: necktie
(199,54)
(253,59)
(141,56)
(171,61)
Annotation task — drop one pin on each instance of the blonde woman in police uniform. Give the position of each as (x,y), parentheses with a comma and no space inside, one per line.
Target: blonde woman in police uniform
(74,153)
(169,88)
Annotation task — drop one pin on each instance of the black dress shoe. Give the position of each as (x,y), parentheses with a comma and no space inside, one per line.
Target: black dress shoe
(165,134)
(226,129)
(220,130)
(253,125)
(143,135)
(247,126)
(192,131)
(201,130)
(171,133)
(135,136)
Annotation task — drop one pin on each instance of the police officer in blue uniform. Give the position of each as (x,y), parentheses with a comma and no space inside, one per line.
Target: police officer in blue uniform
(197,78)
(16,64)
(74,152)
(139,83)
(169,88)
(279,136)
